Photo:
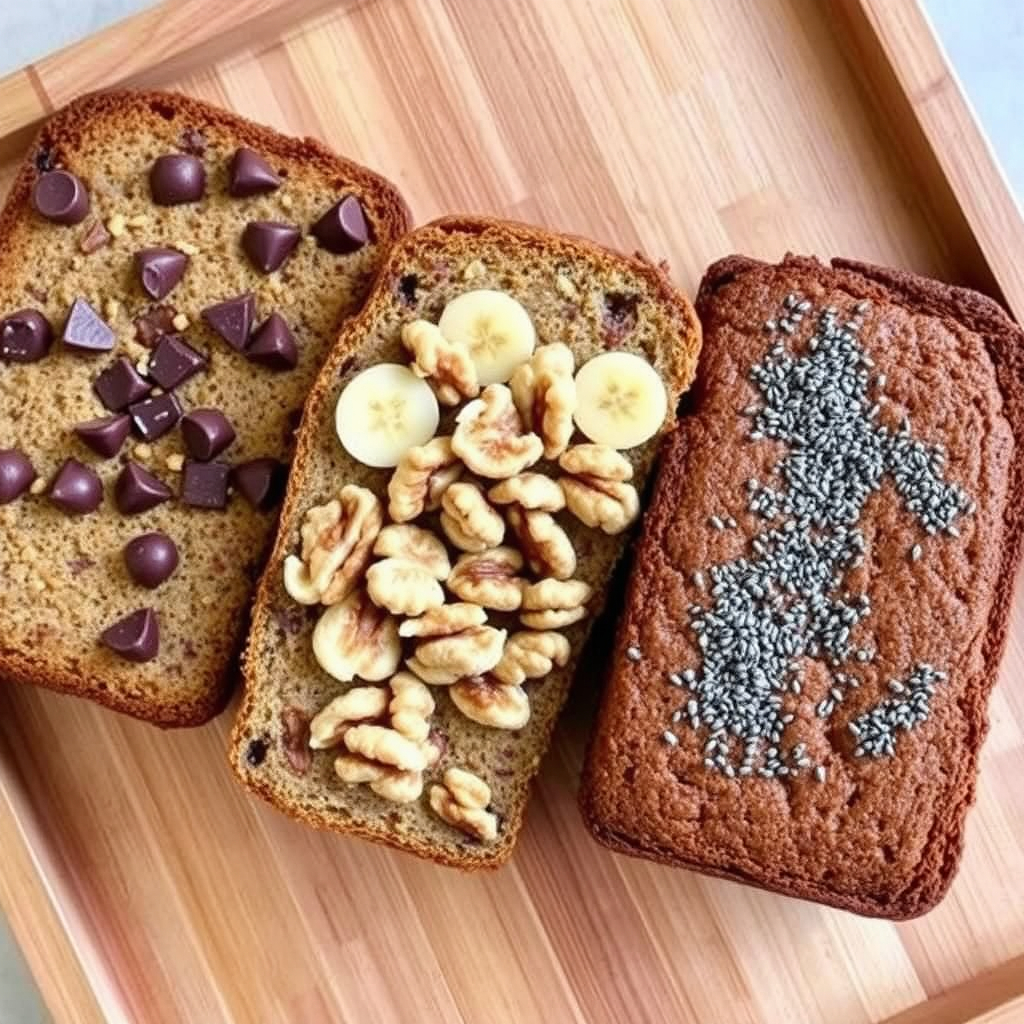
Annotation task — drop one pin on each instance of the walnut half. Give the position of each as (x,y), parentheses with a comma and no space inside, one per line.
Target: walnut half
(489,436)
(420,479)
(595,488)
(545,395)
(462,802)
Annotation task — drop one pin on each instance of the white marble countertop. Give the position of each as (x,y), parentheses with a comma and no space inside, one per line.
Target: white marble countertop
(985,43)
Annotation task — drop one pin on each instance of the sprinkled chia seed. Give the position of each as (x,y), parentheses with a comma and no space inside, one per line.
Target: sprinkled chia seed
(915,552)
(820,773)
(633,653)
(715,523)
(670,738)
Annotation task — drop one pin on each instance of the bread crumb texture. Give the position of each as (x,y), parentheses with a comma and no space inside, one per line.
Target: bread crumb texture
(798,693)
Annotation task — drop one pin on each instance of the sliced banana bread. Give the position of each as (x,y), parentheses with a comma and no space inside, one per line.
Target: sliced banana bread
(819,602)
(171,277)
(416,629)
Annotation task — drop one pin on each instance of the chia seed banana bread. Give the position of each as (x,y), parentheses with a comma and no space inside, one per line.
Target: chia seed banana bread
(592,300)
(134,215)
(819,603)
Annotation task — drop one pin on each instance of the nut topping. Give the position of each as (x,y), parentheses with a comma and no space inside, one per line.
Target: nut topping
(444,660)
(468,521)
(379,743)
(531,655)
(552,603)
(595,489)
(446,364)
(403,587)
(420,479)
(294,738)
(486,701)
(533,491)
(390,783)
(356,638)
(414,544)
(489,579)
(411,708)
(360,704)
(545,395)
(544,543)
(489,436)
(462,802)
(444,621)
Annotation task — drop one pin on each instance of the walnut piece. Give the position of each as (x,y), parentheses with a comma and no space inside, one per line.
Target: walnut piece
(544,543)
(530,490)
(486,701)
(446,364)
(595,489)
(337,541)
(295,727)
(489,436)
(490,579)
(468,521)
(444,621)
(544,392)
(553,603)
(414,544)
(356,638)
(360,704)
(531,655)
(410,708)
(420,479)
(392,784)
(379,743)
(403,587)
(444,660)
(462,802)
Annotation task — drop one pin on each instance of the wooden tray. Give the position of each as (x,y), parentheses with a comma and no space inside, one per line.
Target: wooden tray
(146,887)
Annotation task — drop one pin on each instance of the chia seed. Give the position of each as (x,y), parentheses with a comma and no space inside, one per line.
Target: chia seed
(633,653)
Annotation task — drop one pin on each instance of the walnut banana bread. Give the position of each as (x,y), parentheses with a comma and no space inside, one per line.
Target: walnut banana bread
(466,477)
(820,599)
(171,278)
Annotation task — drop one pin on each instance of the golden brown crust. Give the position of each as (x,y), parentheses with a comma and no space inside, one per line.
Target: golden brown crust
(471,232)
(923,868)
(55,144)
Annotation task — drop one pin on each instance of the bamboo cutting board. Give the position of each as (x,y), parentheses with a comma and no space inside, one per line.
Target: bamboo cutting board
(146,887)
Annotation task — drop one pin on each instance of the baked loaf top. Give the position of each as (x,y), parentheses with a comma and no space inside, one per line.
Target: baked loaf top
(584,302)
(820,598)
(65,569)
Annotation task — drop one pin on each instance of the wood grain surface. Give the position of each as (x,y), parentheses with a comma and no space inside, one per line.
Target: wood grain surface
(146,887)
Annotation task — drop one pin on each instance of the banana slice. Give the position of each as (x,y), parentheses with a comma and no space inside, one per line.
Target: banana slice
(495,328)
(383,412)
(621,400)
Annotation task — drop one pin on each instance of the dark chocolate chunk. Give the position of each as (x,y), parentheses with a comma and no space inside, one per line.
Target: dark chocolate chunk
(273,344)
(407,285)
(152,325)
(85,331)
(25,336)
(44,159)
(159,270)
(16,474)
(206,432)
(269,243)
(61,197)
(177,178)
(249,174)
(76,489)
(153,417)
(174,361)
(106,435)
(256,752)
(137,490)
(260,481)
(150,559)
(343,227)
(94,237)
(232,319)
(120,384)
(205,484)
(135,637)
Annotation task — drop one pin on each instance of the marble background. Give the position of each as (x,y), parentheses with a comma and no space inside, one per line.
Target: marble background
(985,42)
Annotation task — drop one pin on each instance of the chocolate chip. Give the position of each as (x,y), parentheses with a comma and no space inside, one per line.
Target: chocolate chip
(177,178)
(120,384)
(206,432)
(260,481)
(174,361)
(150,559)
(159,270)
(256,752)
(153,417)
(44,159)
(618,318)
(137,490)
(269,243)
(25,336)
(94,237)
(205,484)
(61,197)
(407,285)
(273,344)
(85,331)
(76,489)
(16,474)
(232,319)
(249,174)
(106,435)
(343,228)
(154,324)
(193,141)
(135,637)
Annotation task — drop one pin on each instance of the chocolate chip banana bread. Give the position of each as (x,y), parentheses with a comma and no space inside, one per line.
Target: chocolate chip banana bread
(820,599)
(171,277)
(466,476)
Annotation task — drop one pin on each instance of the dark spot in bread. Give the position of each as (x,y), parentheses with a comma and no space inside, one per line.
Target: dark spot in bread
(407,285)
(193,141)
(44,159)
(256,752)
(163,109)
